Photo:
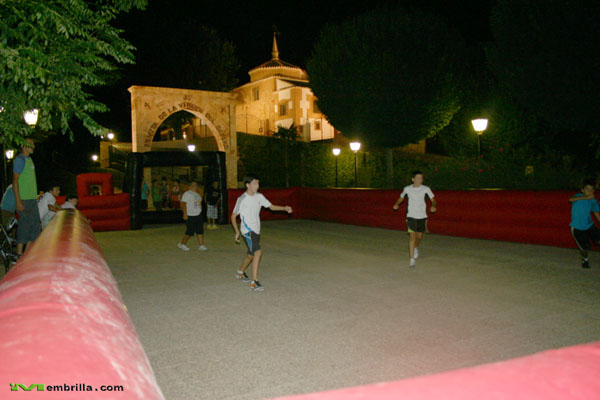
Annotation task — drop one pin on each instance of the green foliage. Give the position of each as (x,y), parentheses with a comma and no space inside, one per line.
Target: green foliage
(51,53)
(313,165)
(546,56)
(388,77)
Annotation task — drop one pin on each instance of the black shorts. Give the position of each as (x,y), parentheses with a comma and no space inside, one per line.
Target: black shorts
(194,224)
(583,238)
(416,225)
(252,241)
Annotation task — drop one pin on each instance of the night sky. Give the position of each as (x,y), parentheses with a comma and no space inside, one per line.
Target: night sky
(249,26)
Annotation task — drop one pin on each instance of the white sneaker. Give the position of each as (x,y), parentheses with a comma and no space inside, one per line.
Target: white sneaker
(413,262)
(416,253)
(183,247)
(202,247)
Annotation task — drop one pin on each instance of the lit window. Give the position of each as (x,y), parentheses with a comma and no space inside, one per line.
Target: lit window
(283,109)
(317,125)
(255,94)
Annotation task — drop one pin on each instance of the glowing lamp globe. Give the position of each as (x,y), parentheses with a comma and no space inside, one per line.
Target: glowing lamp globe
(480,125)
(355,146)
(31,117)
(191,147)
(336,152)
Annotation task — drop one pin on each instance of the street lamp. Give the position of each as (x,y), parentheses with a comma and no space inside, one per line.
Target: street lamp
(479,125)
(336,153)
(355,147)
(110,136)
(191,147)
(31,117)
(94,157)
(10,154)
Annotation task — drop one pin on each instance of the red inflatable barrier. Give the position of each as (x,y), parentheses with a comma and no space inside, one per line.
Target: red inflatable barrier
(66,333)
(535,217)
(568,373)
(102,179)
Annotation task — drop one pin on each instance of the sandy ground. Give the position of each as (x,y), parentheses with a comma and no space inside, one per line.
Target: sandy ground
(341,307)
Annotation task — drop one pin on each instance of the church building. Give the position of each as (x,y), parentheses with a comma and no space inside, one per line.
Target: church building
(278,95)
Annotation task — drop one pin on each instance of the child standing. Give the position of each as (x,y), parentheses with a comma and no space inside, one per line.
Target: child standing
(248,207)
(213,198)
(582,226)
(191,205)
(416,212)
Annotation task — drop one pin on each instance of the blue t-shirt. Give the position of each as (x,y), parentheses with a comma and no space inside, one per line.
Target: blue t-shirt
(581,218)
(9,203)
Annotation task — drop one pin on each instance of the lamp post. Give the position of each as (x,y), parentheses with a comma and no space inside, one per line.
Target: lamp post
(110,135)
(31,117)
(191,147)
(336,153)
(94,157)
(355,147)
(479,125)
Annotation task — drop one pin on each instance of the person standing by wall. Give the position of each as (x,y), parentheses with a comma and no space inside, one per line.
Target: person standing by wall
(26,192)
(191,205)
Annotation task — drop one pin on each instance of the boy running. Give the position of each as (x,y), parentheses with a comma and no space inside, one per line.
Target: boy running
(248,207)
(416,212)
(582,225)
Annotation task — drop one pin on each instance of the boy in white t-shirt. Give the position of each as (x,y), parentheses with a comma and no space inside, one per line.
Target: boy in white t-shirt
(248,207)
(70,202)
(47,205)
(416,212)
(191,205)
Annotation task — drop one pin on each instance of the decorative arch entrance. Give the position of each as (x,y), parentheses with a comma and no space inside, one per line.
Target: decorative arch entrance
(150,106)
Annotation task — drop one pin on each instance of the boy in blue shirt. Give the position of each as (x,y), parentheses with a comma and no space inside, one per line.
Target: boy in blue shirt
(583,204)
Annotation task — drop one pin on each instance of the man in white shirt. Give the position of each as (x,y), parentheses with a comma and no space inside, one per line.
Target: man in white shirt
(47,205)
(416,212)
(248,207)
(191,205)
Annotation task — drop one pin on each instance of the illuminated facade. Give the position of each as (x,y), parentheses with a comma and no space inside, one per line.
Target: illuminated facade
(278,95)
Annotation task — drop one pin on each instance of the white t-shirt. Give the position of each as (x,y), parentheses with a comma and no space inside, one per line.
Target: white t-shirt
(46,200)
(68,205)
(417,205)
(248,208)
(193,203)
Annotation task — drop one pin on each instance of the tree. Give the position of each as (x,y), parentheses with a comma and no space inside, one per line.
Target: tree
(387,77)
(545,54)
(287,136)
(51,53)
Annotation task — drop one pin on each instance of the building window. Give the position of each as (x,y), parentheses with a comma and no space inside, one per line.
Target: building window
(316,107)
(283,109)
(317,125)
(255,94)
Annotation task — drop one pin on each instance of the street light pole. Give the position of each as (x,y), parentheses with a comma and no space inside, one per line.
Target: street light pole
(479,125)
(355,147)
(336,153)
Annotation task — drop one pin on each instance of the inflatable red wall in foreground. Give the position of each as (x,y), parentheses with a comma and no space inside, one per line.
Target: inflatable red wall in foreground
(64,325)
(563,374)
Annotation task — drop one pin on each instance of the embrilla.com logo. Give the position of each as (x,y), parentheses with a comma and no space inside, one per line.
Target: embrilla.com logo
(15,387)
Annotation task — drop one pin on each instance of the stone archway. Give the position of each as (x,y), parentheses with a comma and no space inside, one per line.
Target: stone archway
(150,106)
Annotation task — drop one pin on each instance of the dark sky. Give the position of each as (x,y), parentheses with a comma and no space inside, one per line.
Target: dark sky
(249,26)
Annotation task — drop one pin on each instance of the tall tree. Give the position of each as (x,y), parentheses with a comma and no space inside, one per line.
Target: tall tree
(388,77)
(51,53)
(547,55)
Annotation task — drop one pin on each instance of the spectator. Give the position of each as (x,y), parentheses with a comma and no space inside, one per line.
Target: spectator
(145,192)
(70,202)
(156,197)
(47,205)
(25,190)
(8,205)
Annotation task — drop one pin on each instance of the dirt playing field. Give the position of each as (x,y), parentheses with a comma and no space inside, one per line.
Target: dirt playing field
(341,307)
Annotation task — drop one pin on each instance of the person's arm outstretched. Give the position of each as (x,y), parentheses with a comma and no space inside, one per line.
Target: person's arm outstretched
(287,209)
(398,202)
(433,205)
(577,197)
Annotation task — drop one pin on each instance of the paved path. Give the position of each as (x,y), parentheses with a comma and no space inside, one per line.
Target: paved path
(341,307)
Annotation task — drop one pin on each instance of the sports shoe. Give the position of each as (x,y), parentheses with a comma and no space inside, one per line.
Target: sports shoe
(416,253)
(413,263)
(183,247)
(202,247)
(585,263)
(242,275)
(256,286)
